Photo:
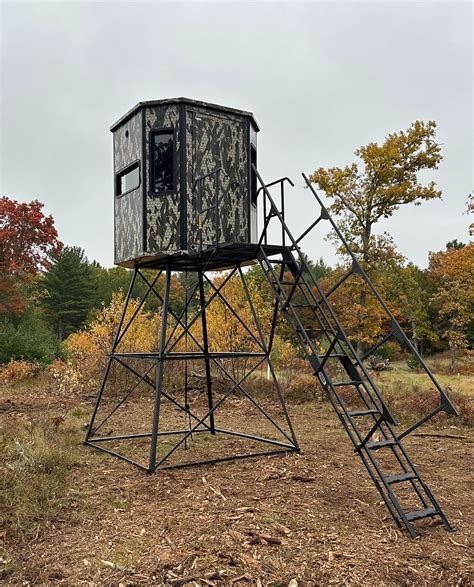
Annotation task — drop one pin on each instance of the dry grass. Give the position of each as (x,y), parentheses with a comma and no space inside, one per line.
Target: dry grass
(38,456)
(73,516)
(412,395)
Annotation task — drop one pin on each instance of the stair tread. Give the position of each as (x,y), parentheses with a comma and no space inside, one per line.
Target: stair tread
(381,443)
(400,477)
(366,412)
(332,356)
(352,382)
(424,513)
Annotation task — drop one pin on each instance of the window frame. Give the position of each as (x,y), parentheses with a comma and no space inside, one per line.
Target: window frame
(119,174)
(151,182)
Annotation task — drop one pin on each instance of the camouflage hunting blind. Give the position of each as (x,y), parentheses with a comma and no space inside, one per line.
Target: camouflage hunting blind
(183,180)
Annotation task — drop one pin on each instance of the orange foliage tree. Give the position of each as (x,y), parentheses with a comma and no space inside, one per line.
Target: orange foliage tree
(27,238)
(452,272)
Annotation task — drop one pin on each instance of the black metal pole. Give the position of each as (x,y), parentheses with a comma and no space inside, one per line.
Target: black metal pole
(276,383)
(159,371)
(109,362)
(202,302)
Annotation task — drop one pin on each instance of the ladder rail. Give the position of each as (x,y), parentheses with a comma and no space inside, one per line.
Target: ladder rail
(321,293)
(340,347)
(446,404)
(445,401)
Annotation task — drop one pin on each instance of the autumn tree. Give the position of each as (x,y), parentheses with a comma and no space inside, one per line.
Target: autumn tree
(226,332)
(453,274)
(68,292)
(385,179)
(27,238)
(470,211)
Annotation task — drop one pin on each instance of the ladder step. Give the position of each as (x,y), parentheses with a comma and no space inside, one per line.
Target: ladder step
(421,514)
(364,412)
(381,444)
(333,356)
(342,383)
(402,477)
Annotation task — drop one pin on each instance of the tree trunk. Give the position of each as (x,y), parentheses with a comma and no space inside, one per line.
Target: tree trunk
(413,335)
(360,344)
(453,366)
(363,296)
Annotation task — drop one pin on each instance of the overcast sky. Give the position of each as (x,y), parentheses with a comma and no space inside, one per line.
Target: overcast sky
(322,78)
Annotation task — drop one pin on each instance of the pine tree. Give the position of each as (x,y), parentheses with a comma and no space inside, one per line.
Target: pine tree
(68,291)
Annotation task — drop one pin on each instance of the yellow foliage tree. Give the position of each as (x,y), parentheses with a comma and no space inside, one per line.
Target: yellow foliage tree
(87,349)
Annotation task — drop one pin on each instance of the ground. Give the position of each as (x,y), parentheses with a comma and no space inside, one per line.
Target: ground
(312,518)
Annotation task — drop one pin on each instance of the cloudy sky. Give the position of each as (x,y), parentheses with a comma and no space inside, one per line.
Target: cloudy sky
(322,78)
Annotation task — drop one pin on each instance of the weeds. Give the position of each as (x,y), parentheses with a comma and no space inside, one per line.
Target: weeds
(33,475)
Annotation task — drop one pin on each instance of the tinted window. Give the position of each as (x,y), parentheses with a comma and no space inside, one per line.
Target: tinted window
(128,179)
(162,157)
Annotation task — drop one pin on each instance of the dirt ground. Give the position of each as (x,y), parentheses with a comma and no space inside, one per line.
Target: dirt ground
(312,518)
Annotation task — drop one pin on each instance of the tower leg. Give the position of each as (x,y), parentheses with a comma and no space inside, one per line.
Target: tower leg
(167,351)
(111,358)
(267,347)
(202,302)
(160,365)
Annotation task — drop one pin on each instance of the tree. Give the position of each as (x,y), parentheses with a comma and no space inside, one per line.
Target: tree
(453,274)
(387,179)
(106,282)
(68,292)
(27,238)
(225,331)
(470,211)
(406,291)
(318,268)
(454,244)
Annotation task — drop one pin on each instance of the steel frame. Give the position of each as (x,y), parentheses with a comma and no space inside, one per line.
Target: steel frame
(156,363)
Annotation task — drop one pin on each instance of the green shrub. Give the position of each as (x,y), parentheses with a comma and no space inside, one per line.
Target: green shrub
(413,362)
(29,339)
(383,352)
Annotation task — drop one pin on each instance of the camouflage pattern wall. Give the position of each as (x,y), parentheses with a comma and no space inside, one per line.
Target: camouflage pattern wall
(128,224)
(215,140)
(163,211)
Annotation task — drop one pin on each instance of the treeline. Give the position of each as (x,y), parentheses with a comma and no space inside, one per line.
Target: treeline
(433,305)
(48,292)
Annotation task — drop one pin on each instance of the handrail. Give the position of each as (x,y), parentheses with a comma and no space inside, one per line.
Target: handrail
(323,297)
(280,181)
(445,404)
(269,185)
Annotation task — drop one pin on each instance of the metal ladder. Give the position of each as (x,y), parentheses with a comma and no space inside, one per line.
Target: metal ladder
(327,348)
